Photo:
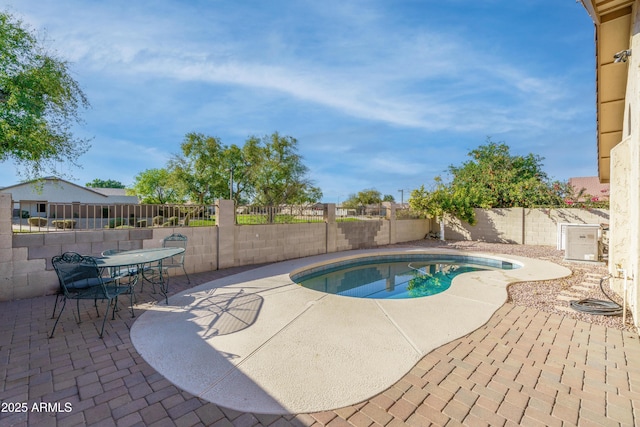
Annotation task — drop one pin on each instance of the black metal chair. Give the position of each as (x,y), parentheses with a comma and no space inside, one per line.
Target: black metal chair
(176,241)
(159,272)
(127,276)
(80,278)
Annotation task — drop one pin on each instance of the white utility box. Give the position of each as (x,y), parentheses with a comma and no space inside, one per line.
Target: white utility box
(581,242)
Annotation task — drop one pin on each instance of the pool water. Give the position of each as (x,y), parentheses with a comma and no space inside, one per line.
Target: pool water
(394,279)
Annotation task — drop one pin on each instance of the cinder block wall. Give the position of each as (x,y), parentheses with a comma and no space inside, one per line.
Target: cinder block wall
(25,258)
(256,244)
(541,225)
(522,226)
(412,229)
(33,275)
(493,225)
(361,234)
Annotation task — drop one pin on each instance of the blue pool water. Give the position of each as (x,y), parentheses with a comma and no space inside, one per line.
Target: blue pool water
(394,277)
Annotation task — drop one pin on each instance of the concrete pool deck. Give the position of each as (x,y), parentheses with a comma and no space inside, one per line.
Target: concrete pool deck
(257,342)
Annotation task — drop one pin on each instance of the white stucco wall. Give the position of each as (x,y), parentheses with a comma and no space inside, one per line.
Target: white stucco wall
(29,196)
(625,185)
(55,191)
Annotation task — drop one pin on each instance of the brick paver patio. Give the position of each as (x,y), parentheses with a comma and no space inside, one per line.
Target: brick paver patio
(524,367)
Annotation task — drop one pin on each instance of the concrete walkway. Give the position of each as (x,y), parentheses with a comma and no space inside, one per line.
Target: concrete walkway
(523,367)
(258,342)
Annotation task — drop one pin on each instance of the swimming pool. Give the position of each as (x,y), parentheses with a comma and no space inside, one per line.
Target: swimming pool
(394,277)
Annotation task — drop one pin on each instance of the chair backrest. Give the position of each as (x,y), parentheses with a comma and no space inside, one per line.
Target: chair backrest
(77,273)
(176,241)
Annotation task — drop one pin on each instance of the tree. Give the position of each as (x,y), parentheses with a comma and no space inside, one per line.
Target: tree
(39,103)
(276,173)
(365,197)
(498,179)
(199,172)
(266,171)
(388,198)
(155,186)
(492,179)
(109,183)
(239,177)
(441,201)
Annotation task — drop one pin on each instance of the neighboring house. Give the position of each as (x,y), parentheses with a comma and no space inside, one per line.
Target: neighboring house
(617,39)
(591,186)
(35,196)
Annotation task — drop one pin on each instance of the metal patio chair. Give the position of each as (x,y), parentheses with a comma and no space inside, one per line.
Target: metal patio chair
(159,272)
(176,241)
(127,275)
(80,278)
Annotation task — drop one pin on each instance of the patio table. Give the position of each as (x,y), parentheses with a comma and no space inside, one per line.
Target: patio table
(138,258)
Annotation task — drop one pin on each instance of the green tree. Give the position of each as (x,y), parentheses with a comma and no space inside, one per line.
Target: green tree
(238,167)
(207,170)
(39,103)
(267,171)
(155,186)
(444,200)
(498,179)
(365,197)
(388,198)
(276,173)
(493,178)
(199,172)
(101,183)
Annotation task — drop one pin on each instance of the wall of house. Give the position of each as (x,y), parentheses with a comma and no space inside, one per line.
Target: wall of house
(624,249)
(623,253)
(520,225)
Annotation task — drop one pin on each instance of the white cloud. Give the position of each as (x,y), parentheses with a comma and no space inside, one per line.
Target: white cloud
(347,75)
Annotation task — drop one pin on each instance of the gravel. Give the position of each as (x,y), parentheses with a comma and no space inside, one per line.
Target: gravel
(544,295)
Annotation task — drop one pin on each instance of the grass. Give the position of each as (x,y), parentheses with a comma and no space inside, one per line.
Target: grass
(202,222)
(245,219)
(253,219)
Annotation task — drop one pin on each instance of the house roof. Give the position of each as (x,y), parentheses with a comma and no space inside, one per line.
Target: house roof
(591,186)
(117,195)
(52,179)
(110,191)
(612,19)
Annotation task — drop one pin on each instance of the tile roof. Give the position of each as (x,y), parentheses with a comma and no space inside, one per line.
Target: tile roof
(591,186)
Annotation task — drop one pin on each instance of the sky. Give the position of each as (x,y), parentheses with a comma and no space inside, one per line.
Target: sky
(379,94)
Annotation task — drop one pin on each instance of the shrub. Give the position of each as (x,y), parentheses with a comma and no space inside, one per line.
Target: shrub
(158,220)
(171,222)
(64,223)
(37,221)
(141,223)
(116,222)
